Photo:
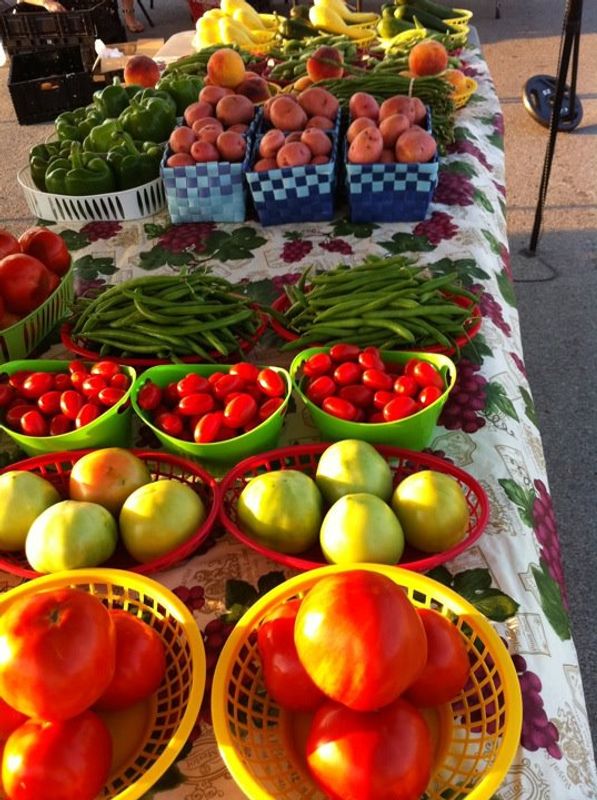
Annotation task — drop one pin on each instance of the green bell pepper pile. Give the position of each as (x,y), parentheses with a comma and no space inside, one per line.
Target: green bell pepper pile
(183,88)
(150,118)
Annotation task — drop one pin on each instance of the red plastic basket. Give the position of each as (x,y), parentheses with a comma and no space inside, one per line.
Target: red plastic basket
(56,468)
(472,324)
(305,458)
(82,351)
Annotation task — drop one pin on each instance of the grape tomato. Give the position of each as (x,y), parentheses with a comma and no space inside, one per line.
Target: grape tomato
(377,379)
(317,364)
(344,352)
(338,407)
(107,369)
(199,403)
(240,410)
(271,383)
(248,372)
(192,384)
(348,372)
(33,423)
(320,388)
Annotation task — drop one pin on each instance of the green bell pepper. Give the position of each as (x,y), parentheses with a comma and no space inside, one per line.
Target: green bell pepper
(112,99)
(67,124)
(152,118)
(183,87)
(102,137)
(90,174)
(40,158)
(131,166)
(56,175)
(146,94)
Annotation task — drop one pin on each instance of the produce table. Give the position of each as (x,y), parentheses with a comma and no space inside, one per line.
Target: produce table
(513,574)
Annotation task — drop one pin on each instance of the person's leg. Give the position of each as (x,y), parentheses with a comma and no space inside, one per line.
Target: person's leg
(128,12)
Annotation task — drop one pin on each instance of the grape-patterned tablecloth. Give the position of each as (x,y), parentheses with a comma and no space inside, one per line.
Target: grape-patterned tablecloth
(513,574)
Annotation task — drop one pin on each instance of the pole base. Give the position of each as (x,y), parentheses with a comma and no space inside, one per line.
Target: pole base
(538,96)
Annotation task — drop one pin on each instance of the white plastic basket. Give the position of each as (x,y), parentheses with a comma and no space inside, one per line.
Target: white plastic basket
(142,201)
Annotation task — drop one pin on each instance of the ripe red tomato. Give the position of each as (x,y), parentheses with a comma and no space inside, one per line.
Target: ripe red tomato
(34,424)
(60,424)
(92,386)
(191,384)
(8,244)
(370,358)
(400,406)
(337,407)
(107,369)
(197,403)
(284,676)
(208,427)
(10,719)
(317,364)
(69,759)
(377,379)
(149,397)
(49,402)
(6,394)
(429,395)
(347,372)
(381,755)
(58,652)
(360,639)
(271,405)
(169,423)
(240,410)
(271,383)
(426,374)
(344,352)
(357,394)
(227,384)
(87,413)
(447,669)
(37,384)
(48,247)
(406,384)
(24,283)
(70,403)
(320,388)
(140,662)
(248,372)
(110,396)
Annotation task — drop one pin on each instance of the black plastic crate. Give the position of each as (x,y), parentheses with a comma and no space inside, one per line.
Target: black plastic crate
(44,84)
(27,28)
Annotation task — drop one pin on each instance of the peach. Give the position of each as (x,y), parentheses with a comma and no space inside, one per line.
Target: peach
(286,114)
(320,160)
(318,142)
(295,154)
(302,83)
(366,147)
(457,78)
(420,110)
(415,146)
(226,68)
(271,143)
(363,104)
(180,160)
(265,164)
(326,62)
(235,108)
(204,151)
(231,146)
(399,104)
(428,57)
(318,102)
(198,110)
(181,139)
(141,70)
(211,94)
(256,89)
(391,127)
(320,122)
(357,126)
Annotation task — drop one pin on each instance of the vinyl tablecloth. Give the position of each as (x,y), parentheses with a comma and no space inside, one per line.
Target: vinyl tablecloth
(488,427)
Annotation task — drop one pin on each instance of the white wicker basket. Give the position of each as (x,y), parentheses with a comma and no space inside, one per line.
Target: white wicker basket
(142,201)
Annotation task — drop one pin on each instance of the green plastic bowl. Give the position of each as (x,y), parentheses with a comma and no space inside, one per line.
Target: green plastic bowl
(413,433)
(112,429)
(217,456)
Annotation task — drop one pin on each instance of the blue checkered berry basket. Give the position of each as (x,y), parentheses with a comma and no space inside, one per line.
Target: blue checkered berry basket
(214,191)
(295,194)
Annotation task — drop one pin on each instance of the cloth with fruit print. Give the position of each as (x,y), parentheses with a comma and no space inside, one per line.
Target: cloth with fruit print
(513,573)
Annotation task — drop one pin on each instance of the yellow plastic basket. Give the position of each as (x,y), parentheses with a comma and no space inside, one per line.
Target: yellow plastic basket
(477,734)
(460,99)
(172,713)
(463,18)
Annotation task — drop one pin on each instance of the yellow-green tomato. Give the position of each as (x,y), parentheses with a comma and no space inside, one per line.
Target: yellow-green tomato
(432,510)
(158,517)
(361,528)
(71,535)
(351,466)
(282,510)
(23,496)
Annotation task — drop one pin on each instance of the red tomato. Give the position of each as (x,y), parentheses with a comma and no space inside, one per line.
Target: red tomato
(87,413)
(8,244)
(215,377)
(170,394)
(76,366)
(447,669)
(426,374)
(10,719)
(381,755)
(92,386)
(48,247)
(58,653)
(70,403)
(346,373)
(208,427)
(110,396)
(120,381)
(360,618)
(271,405)
(382,398)
(320,388)
(248,372)
(196,404)
(107,369)
(340,408)
(271,383)
(14,414)
(317,364)
(377,379)
(62,381)
(6,394)
(69,759)
(370,358)
(49,402)
(357,394)
(400,407)
(77,379)
(170,423)
(239,411)
(226,384)
(192,384)
(149,397)
(344,352)
(376,419)
(429,395)
(37,384)
(284,676)
(406,384)
(24,283)
(60,424)
(140,662)
(33,423)
(17,379)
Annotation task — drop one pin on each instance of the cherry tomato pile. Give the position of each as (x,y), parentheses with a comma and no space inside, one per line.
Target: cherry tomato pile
(52,403)
(409,659)
(30,270)
(69,659)
(356,384)
(215,408)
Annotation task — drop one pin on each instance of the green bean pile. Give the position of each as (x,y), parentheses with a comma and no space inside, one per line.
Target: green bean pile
(383,302)
(168,317)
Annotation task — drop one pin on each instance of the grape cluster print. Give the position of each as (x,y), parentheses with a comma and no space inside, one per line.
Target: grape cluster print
(288,278)
(464,146)
(337,246)
(466,400)
(491,309)
(191,235)
(537,731)
(519,363)
(454,189)
(94,231)
(438,227)
(544,524)
(215,634)
(296,250)
(192,596)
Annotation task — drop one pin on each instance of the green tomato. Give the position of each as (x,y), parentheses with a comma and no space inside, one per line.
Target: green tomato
(71,535)
(23,497)
(282,510)
(432,510)
(361,528)
(352,466)
(158,517)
